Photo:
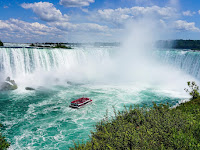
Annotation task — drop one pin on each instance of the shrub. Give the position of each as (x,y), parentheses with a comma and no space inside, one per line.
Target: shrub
(3,143)
(32,45)
(193,89)
(158,127)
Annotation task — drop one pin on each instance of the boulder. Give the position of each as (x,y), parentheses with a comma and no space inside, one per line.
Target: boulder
(30,88)
(8,85)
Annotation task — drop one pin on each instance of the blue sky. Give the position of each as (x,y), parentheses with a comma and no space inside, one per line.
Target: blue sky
(94,20)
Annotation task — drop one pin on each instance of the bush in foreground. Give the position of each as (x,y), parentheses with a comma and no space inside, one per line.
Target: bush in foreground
(158,127)
(193,90)
(3,143)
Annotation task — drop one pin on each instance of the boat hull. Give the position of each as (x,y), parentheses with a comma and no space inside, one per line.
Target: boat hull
(81,105)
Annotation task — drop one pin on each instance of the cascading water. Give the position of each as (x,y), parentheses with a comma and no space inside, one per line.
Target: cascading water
(15,61)
(41,119)
(21,63)
(188,61)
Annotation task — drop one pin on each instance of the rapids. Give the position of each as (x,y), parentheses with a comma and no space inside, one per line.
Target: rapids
(41,119)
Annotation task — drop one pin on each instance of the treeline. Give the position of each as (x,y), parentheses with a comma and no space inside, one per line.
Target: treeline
(158,127)
(1,43)
(179,44)
(81,44)
(50,45)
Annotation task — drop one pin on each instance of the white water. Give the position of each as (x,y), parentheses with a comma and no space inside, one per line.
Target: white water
(45,67)
(41,119)
(39,67)
(188,61)
(42,66)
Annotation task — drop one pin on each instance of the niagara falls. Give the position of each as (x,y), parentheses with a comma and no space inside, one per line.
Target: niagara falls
(136,64)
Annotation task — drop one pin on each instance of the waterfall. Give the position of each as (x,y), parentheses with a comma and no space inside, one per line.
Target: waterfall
(188,61)
(23,61)
(83,63)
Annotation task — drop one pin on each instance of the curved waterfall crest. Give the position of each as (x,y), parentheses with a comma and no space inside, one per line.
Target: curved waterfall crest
(188,61)
(23,61)
(15,61)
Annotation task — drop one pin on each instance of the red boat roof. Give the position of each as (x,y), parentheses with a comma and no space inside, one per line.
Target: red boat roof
(80,100)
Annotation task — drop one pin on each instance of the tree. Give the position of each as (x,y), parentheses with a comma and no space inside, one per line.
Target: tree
(1,43)
(193,89)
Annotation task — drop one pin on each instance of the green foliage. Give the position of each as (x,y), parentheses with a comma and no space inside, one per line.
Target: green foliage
(59,45)
(1,43)
(50,45)
(3,143)
(193,91)
(32,44)
(179,44)
(158,127)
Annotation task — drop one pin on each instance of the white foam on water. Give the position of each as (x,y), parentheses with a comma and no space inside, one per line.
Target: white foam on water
(131,76)
(71,124)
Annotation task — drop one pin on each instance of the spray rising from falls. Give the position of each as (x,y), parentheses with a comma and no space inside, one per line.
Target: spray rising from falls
(91,64)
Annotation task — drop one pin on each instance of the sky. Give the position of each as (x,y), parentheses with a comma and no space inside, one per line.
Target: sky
(26,21)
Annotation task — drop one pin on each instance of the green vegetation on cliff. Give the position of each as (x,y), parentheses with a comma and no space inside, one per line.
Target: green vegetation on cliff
(1,43)
(157,127)
(50,45)
(59,45)
(179,44)
(3,143)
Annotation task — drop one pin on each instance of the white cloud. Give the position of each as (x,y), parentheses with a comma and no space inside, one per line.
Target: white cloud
(188,13)
(21,31)
(199,11)
(186,26)
(65,26)
(13,28)
(174,3)
(91,27)
(46,11)
(82,27)
(76,3)
(121,15)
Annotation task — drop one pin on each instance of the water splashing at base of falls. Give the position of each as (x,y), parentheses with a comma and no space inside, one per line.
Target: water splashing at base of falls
(41,119)
(39,67)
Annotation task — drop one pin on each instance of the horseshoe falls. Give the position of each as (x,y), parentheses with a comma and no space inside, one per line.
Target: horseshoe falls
(188,61)
(26,63)
(42,119)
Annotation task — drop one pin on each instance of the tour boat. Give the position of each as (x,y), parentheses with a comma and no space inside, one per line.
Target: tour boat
(80,102)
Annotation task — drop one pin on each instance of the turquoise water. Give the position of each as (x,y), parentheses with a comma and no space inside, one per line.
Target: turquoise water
(41,119)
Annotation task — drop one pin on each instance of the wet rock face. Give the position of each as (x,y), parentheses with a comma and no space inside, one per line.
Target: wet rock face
(8,84)
(29,88)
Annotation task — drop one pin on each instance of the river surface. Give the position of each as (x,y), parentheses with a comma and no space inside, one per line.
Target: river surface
(41,119)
